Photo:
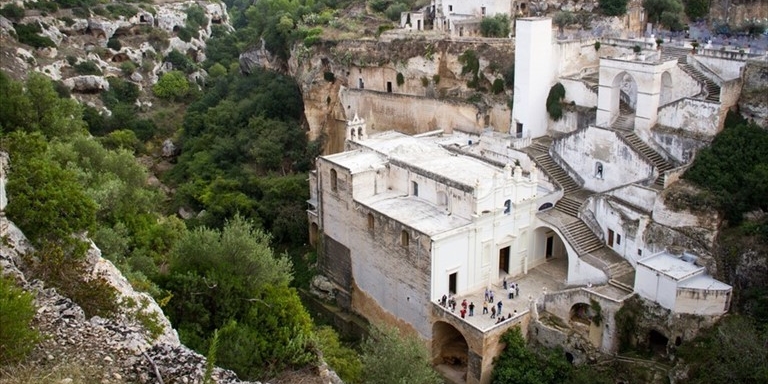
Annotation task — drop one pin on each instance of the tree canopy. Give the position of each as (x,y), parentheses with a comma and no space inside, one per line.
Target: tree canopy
(390,357)
(613,7)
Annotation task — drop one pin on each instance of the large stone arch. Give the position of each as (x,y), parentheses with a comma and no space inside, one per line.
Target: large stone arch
(647,75)
(450,351)
(565,262)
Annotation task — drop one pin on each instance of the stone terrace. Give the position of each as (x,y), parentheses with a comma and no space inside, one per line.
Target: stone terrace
(550,276)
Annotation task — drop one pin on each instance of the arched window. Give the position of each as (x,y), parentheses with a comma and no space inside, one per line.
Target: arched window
(360,133)
(507,207)
(352,134)
(599,170)
(415,188)
(334,180)
(370,222)
(405,239)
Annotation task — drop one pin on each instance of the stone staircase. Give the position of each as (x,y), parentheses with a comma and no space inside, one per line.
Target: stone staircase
(626,119)
(582,238)
(681,54)
(557,173)
(661,164)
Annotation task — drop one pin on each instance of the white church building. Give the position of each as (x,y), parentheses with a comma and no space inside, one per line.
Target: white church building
(575,210)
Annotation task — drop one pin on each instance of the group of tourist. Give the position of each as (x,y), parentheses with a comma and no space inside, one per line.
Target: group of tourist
(468,308)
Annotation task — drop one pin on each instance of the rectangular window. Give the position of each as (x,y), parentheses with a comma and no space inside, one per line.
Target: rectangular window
(389,87)
(618,239)
(482,10)
(450,8)
(519,131)
(639,252)
(415,188)
(452,278)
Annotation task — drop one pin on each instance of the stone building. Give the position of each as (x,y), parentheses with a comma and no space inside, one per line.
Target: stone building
(580,222)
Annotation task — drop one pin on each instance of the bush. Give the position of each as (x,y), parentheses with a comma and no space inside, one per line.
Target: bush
(556,95)
(128,67)
(597,45)
(12,11)
(172,85)
(44,6)
(393,11)
(185,34)
(16,336)
(436,79)
(613,7)
(498,86)
(180,61)
(122,9)
(329,77)
(28,34)
(114,43)
(400,79)
(424,81)
(87,68)
(496,26)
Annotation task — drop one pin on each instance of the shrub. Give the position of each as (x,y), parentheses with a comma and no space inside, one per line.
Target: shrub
(393,11)
(44,6)
(329,77)
(71,60)
(87,68)
(114,43)
(12,11)
(556,95)
(436,79)
(400,79)
(498,86)
(613,7)
(196,17)
(82,13)
(28,34)
(496,26)
(185,34)
(597,45)
(172,85)
(424,81)
(128,67)
(16,336)
(180,61)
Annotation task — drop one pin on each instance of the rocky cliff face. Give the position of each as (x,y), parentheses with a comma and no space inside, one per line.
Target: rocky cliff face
(110,41)
(416,77)
(753,104)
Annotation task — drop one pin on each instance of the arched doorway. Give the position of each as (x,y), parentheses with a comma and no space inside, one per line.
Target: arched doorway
(665,95)
(549,253)
(450,352)
(313,232)
(580,313)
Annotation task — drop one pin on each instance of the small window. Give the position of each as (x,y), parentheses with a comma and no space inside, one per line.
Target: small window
(507,207)
(370,222)
(389,87)
(639,252)
(414,188)
(452,282)
(352,133)
(359,133)
(405,239)
(482,10)
(599,170)
(334,181)
(618,239)
(450,8)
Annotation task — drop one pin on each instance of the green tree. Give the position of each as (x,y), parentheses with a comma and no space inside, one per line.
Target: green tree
(172,85)
(17,337)
(613,7)
(733,352)
(390,357)
(665,12)
(563,19)
(496,26)
(697,9)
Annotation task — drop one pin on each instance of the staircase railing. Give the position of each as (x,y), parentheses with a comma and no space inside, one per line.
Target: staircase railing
(588,217)
(564,165)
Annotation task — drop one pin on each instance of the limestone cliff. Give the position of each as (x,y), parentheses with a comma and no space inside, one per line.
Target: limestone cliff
(753,103)
(405,83)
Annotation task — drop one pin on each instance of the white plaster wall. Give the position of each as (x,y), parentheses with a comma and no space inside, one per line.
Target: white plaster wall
(683,85)
(621,164)
(460,203)
(636,195)
(624,222)
(533,75)
(667,291)
(572,55)
(701,301)
(693,115)
(726,68)
(646,282)
(578,92)
(568,123)
(469,7)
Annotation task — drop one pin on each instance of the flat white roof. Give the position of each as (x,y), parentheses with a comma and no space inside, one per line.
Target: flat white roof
(671,266)
(358,160)
(414,212)
(429,156)
(704,282)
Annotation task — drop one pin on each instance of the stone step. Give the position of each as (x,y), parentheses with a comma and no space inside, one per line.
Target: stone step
(620,285)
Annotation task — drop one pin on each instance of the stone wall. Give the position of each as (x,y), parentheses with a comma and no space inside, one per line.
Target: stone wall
(582,150)
(681,145)
(724,67)
(753,103)
(574,118)
(699,117)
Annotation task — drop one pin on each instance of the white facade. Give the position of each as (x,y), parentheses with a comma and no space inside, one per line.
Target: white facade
(678,284)
(533,76)
(447,12)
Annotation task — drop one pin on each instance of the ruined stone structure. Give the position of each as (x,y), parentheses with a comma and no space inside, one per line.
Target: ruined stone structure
(581,222)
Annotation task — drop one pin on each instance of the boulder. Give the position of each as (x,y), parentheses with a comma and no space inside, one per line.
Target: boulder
(87,84)
(169,149)
(322,288)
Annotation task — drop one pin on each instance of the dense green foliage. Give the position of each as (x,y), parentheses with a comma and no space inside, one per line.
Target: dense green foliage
(17,338)
(733,352)
(12,11)
(518,364)
(665,12)
(345,361)
(697,9)
(554,101)
(496,26)
(613,7)
(735,168)
(389,357)
(30,34)
(171,85)
(563,19)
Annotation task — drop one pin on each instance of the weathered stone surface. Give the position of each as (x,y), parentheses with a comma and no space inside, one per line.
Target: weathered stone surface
(322,288)
(87,84)
(753,104)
